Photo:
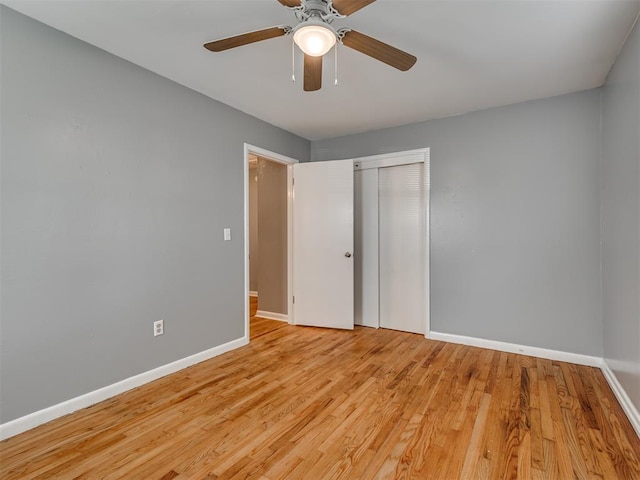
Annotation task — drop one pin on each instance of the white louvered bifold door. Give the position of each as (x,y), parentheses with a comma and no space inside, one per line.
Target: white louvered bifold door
(402,247)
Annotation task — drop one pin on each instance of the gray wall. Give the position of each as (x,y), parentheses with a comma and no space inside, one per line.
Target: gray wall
(116,185)
(621,217)
(272,243)
(515,226)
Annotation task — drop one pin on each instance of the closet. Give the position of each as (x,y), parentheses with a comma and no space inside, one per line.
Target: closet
(391,261)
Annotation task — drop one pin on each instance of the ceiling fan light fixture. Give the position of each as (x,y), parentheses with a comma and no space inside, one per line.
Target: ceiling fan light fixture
(315,35)
(314,38)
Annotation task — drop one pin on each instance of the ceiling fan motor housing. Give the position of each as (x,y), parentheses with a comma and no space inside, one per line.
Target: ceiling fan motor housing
(320,9)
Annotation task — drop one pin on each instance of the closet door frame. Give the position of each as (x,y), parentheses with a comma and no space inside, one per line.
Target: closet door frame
(406,157)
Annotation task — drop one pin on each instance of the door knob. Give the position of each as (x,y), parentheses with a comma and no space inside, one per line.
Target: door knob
(348,254)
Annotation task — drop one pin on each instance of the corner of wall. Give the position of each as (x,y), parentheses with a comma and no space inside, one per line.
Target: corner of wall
(623,398)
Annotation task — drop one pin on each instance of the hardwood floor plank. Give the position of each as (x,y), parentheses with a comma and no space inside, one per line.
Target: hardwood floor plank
(537,449)
(301,403)
(524,457)
(563,453)
(602,458)
(551,466)
(474,449)
(546,419)
(573,444)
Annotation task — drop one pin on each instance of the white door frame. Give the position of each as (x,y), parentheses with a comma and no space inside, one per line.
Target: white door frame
(421,155)
(289,162)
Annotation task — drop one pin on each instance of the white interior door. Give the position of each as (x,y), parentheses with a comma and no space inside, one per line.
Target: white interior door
(323,244)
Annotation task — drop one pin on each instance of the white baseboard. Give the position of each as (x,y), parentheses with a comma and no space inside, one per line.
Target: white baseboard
(40,417)
(281,317)
(627,405)
(253,294)
(520,349)
(45,415)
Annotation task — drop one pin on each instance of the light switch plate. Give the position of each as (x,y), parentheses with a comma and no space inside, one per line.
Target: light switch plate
(227,234)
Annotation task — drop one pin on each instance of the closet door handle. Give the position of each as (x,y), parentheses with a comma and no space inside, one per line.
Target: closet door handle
(348,254)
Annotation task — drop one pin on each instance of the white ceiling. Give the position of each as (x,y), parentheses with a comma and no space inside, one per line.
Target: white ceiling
(471,54)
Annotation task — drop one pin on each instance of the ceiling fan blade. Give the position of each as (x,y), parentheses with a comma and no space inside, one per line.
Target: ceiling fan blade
(379,50)
(290,3)
(245,39)
(347,7)
(312,73)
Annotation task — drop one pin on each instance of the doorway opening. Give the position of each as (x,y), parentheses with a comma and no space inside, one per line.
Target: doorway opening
(268,235)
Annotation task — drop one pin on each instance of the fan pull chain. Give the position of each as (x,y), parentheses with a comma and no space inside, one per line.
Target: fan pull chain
(293,61)
(335,83)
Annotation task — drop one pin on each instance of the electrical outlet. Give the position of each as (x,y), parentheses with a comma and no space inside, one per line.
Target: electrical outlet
(158,328)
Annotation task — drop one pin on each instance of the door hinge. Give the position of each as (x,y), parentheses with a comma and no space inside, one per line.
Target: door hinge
(293,181)
(294,299)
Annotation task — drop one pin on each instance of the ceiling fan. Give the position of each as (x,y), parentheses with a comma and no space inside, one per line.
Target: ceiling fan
(315,36)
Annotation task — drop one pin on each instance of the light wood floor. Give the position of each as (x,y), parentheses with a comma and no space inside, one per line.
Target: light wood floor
(318,404)
(261,326)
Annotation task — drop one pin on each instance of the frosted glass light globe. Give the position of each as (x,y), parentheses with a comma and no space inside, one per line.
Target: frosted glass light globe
(314,40)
